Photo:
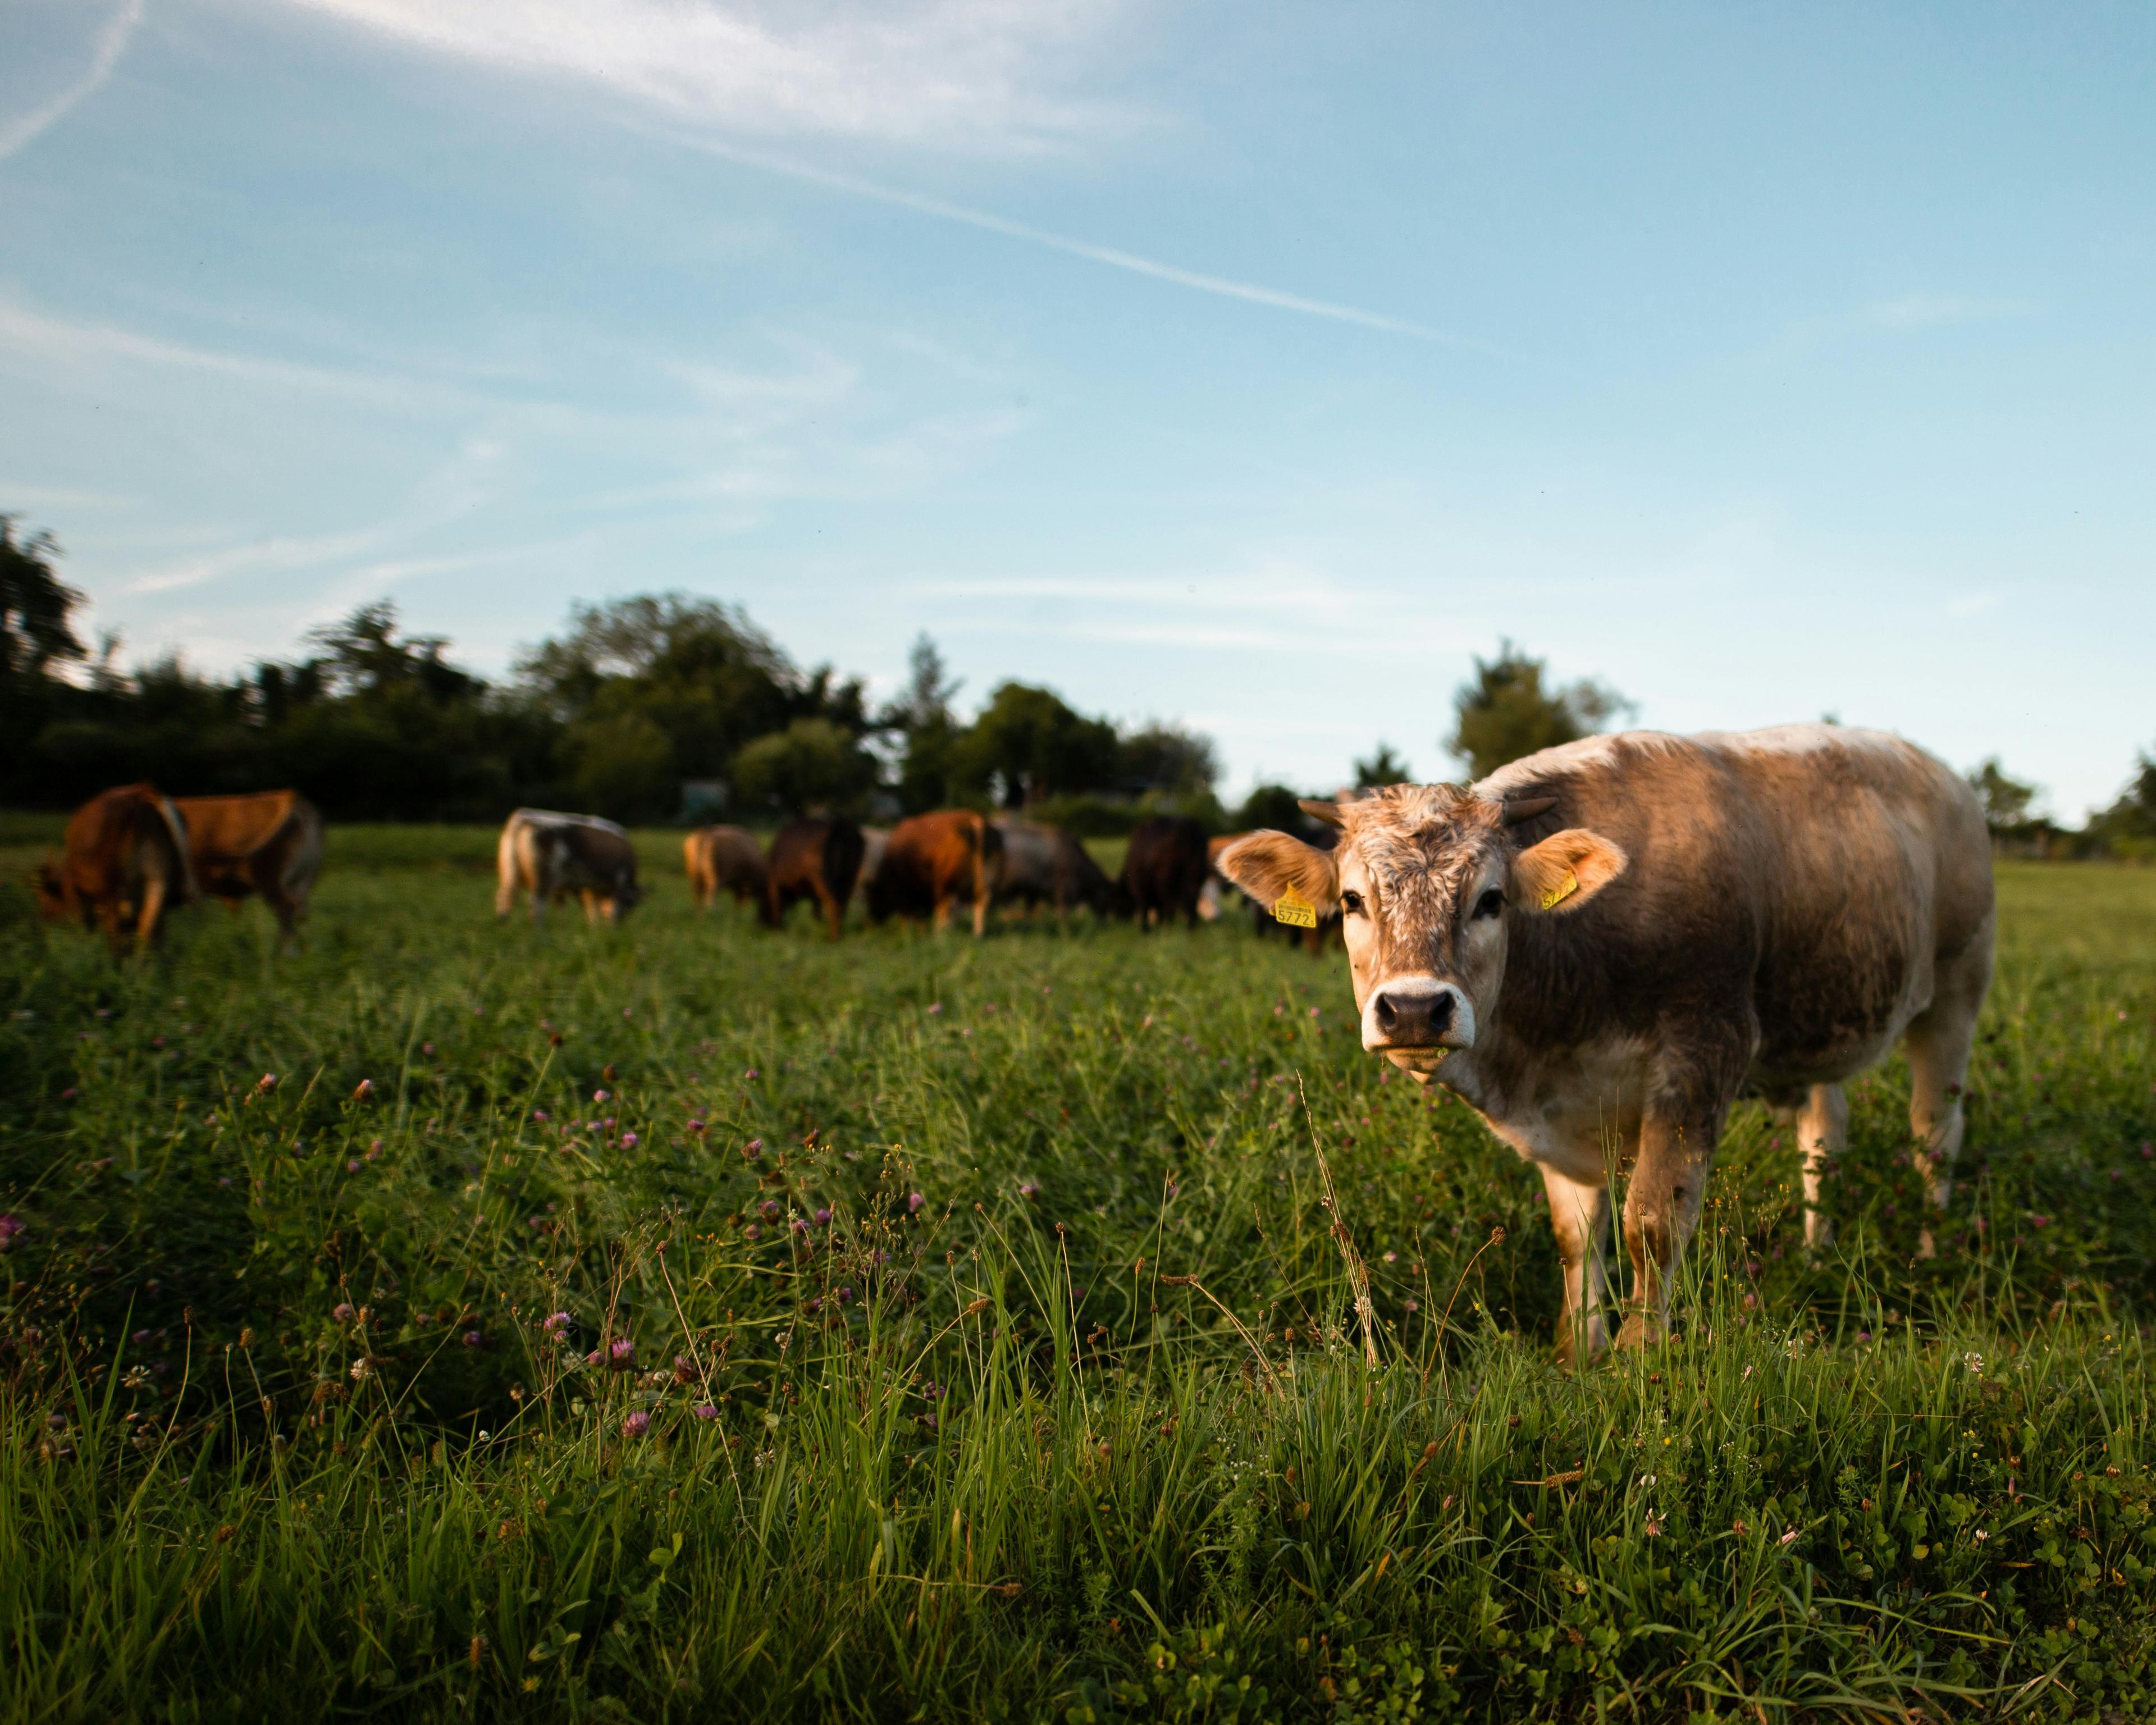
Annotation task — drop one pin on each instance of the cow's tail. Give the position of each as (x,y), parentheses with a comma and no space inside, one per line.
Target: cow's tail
(304,862)
(184,890)
(505,870)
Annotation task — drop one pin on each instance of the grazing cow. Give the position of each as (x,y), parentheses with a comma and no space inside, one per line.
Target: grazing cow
(934,862)
(723,860)
(268,845)
(550,855)
(819,859)
(1600,947)
(1165,869)
(123,863)
(1045,865)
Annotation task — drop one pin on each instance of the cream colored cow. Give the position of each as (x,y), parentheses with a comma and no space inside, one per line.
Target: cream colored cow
(1602,945)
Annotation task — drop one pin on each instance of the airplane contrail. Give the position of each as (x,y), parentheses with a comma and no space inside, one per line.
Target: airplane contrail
(1114,257)
(111,44)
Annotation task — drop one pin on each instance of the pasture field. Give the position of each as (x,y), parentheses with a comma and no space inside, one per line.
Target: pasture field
(694,1323)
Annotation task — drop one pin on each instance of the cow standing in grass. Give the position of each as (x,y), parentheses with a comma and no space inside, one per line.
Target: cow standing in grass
(1044,864)
(1165,869)
(550,855)
(1602,945)
(123,863)
(267,845)
(818,860)
(723,860)
(935,861)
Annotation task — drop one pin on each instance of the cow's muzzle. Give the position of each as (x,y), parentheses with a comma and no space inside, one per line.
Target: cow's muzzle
(1418,1012)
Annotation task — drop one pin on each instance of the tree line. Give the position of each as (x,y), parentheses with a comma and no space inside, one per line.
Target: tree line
(669,706)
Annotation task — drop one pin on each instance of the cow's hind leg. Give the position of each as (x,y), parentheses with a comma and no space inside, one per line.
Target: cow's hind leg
(1822,1135)
(1938,1042)
(1579,1216)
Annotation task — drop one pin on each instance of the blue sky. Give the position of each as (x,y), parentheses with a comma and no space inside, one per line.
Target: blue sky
(1247,365)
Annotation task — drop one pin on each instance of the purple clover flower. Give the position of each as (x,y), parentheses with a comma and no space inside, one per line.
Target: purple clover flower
(705,1410)
(824,1216)
(556,1322)
(474,1339)
(754,1148)
(629,1141)
(341,1311)
(11,1225)
(621,1353)
(636,1424)
(913,1200)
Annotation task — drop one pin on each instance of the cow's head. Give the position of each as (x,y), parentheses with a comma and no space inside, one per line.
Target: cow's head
(55,903)
(1427,879)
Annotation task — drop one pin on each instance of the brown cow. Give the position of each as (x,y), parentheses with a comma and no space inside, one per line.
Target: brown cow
(1164,870)
(934,862)
(1602,945)
(723,859)
(1045,865)
(269,843)
(818,860)
(550,855)
(123,864)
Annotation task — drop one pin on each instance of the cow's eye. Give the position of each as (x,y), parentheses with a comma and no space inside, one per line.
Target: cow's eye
(1489,905)
(1351,903)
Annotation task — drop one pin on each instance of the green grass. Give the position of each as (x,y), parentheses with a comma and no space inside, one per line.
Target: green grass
(1088,1433)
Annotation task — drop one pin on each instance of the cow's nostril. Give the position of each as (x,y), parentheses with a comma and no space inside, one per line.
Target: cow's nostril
(1441,1011)
(1388,1018)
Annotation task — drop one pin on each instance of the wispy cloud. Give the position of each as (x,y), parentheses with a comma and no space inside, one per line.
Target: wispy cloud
(987,76)
(853,185)
(1932,311)
(41,337)
(279,554)
(105,54)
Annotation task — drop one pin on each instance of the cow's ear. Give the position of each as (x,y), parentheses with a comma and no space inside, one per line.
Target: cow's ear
(1565,870)
(1271,866)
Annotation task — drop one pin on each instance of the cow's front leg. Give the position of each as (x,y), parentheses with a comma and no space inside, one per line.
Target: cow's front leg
(1677,1140)
(1579,1216)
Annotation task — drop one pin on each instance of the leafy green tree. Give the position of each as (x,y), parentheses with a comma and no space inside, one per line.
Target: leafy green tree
(2005,800)
(1508,710)
(1275,806)
(921,719)
(813,764)
(35,606)
(1384,767)
(1027,744)
(621,765)
(1166,758)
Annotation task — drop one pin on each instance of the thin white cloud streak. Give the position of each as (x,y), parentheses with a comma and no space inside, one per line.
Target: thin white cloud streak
(1114,257)
(111,42)
(974,76)
(42,337)
(279,554)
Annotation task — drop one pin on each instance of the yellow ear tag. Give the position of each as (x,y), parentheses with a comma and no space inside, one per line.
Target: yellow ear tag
(1298,912)
(1562,890)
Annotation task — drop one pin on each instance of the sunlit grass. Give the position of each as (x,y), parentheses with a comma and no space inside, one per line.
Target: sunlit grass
(1016,1371)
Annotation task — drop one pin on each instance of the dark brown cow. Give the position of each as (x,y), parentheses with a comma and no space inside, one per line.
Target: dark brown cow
(123,863)
(1165,869)
(934,862)
(550,855)
(1045,865)
(268,845)
(723,860)
(1602,945)
(817,860)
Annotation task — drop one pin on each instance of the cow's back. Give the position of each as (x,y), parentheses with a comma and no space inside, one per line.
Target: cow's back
(1819,874)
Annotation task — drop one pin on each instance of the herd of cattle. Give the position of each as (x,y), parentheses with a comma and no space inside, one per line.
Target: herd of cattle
(132,855)
(1599,947)
(923,869)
